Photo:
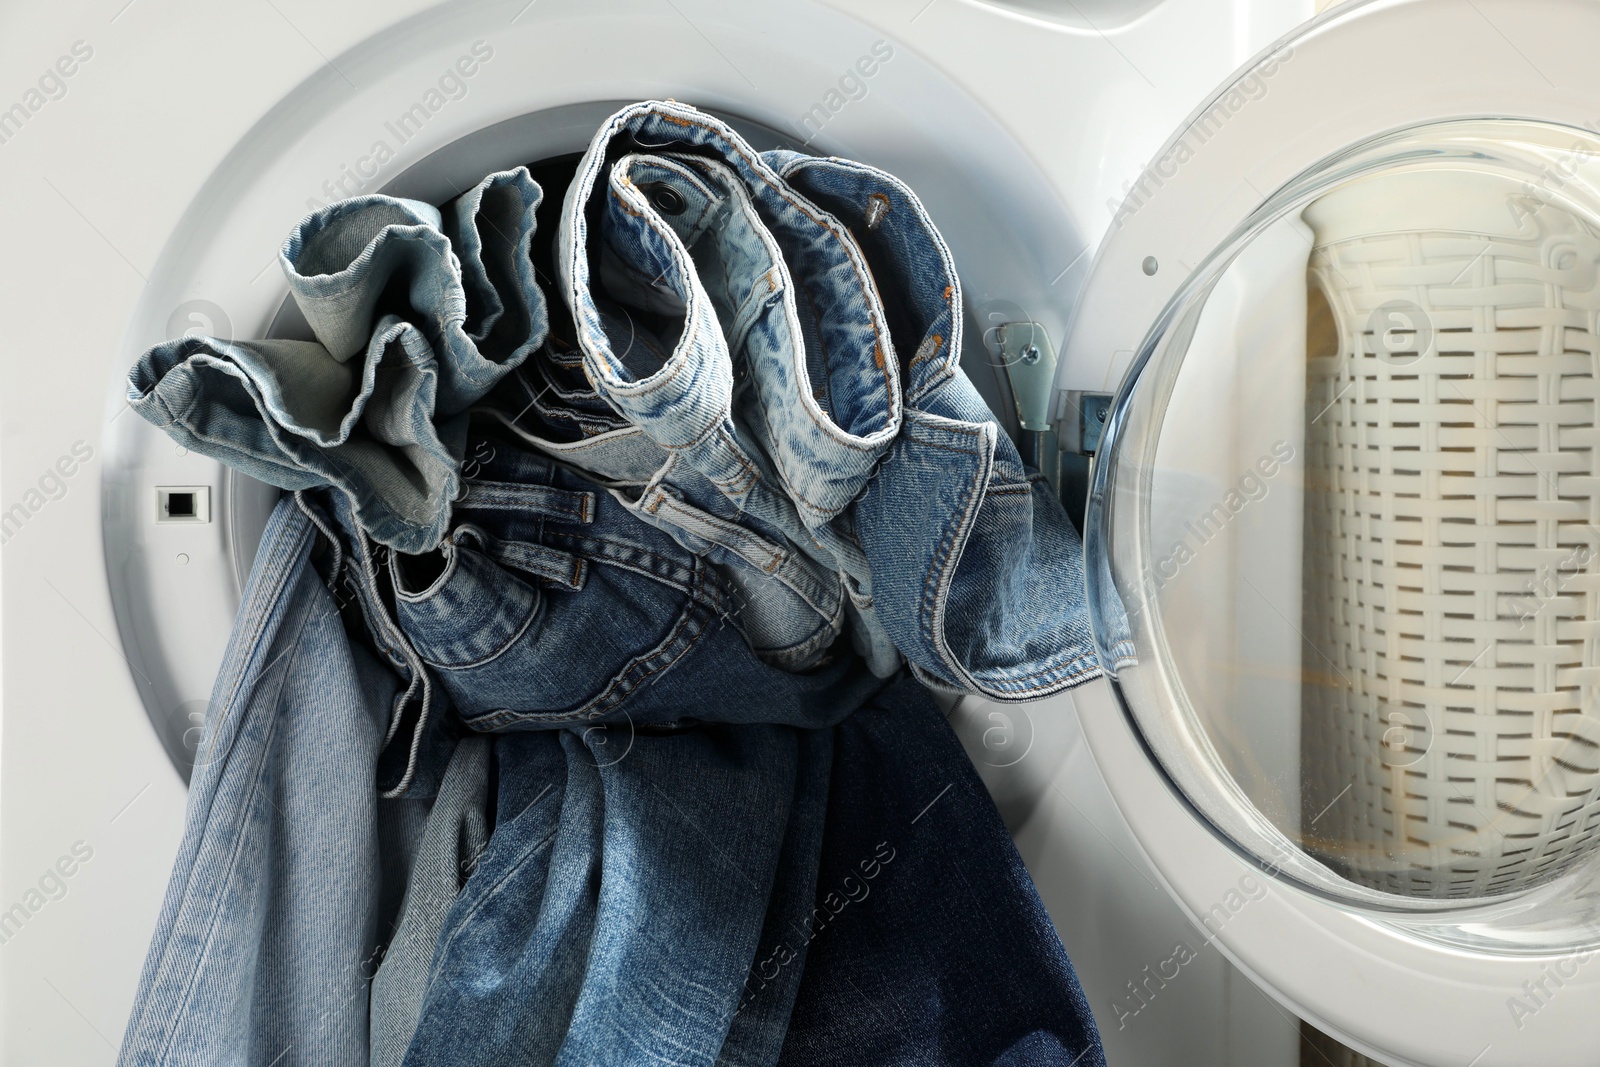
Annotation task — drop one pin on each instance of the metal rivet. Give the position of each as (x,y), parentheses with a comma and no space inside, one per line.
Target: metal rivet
(1150,265)
(665,198)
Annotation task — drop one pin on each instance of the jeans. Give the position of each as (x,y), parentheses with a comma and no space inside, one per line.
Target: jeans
(549,604)
(788,290)
(417,313)
(928,944)
(615,912)
(698,259)
(454,836)
(977,572)
(619,560)
(266,939)
(811,388)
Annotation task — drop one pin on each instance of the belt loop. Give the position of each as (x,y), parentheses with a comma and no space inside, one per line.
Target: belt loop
(551,565)
(567,504)
(323,527)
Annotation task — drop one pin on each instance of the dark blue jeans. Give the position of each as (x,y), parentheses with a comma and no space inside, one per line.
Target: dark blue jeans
(928,944)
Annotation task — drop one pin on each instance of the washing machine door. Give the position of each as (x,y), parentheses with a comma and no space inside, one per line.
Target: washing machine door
(1344,527)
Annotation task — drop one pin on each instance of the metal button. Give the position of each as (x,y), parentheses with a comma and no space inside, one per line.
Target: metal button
(666,199)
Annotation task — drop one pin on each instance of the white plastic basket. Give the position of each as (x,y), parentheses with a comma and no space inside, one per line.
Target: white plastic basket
(1450,734)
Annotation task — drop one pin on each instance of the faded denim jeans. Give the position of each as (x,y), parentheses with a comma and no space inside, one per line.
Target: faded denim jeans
(618,907)
(549,604)
(661,787)
(268,934)
(803,319)
(418,312)
(977,572)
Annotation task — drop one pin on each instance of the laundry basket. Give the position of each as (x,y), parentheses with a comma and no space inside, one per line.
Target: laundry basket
(1450,737)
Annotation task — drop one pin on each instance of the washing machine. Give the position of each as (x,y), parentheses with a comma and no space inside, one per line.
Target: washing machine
(1297,307)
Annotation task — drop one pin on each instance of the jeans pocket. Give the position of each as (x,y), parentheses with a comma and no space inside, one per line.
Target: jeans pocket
(470,612)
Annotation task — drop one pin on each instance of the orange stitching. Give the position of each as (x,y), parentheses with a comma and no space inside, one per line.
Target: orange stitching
(757,165)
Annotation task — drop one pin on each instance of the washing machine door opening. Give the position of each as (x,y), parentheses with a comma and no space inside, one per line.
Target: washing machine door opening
(175,619)
(1344,534)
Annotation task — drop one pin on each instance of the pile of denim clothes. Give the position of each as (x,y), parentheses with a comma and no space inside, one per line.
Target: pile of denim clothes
(577,709)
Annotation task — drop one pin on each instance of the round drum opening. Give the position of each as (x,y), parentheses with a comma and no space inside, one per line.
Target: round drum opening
(164,623)
(1345,533)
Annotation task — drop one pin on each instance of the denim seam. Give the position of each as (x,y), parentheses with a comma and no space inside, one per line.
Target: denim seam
(686,631)
(680,514)
(536,613)
(503,552)
(537,499)
(950,365)
(619,555)
(812,592)
(441,954)
(935,585)
(691,625)
(736,486)
(1042,682)
(838,435)
(424,713)
(794,491)
(756,166)
(197,960)
(802,653)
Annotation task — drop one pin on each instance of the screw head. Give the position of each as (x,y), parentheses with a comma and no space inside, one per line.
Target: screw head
(1029,355)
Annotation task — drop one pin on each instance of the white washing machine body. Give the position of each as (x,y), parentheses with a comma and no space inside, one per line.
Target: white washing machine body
(1401,154)
(154,164)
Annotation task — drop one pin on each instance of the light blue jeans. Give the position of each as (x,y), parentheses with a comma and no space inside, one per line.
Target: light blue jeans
(268,935)
(790,402)
(418,313)
(617,910)
(977,572)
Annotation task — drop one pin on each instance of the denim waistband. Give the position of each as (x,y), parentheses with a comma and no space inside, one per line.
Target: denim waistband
(816,347)
(977,572)
(778,387)
(550,604)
